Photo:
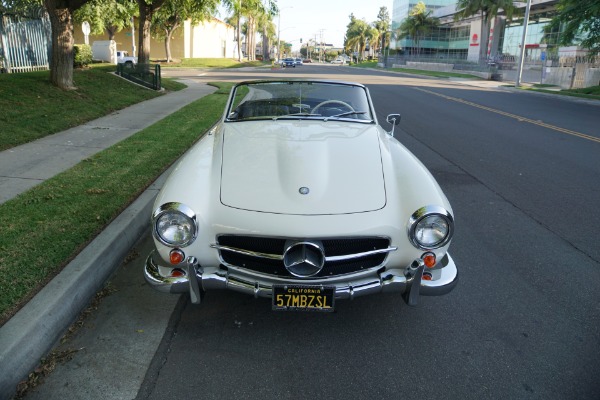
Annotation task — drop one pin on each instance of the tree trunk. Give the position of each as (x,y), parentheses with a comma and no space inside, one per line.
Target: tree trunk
(249,39)
(265,46)
(111,33)
(169,33)
(239,36)
(146,12)
(144,32)
(168,45)
(61,63)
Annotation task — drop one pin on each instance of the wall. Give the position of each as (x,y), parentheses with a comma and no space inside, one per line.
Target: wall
(210,39)
(205,40)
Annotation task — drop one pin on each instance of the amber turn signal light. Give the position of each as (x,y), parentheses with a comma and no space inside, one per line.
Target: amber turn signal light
(176,256)
(429,260)
(176,273)
(426,276)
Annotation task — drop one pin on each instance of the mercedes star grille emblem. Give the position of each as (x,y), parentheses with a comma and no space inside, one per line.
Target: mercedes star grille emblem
(304,259)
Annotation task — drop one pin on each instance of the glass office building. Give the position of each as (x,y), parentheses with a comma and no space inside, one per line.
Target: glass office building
(401,9)
(452,39)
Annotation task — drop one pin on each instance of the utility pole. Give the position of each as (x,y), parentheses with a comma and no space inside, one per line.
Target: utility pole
(133,37)
(321,51)
(522,56)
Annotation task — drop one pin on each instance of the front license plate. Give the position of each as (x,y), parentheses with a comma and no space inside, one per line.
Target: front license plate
(303,298)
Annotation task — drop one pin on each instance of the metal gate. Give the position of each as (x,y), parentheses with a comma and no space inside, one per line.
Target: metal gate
(25,43)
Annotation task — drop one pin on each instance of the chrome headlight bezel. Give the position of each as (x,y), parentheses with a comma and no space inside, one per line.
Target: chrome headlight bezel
(420,216)
(178,211)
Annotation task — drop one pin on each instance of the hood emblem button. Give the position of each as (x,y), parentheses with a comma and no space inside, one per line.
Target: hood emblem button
(304,190)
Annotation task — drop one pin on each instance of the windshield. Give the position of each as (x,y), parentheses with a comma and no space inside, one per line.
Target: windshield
(299,100)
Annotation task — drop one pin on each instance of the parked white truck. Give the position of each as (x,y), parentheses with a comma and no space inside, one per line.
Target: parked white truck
(123,57)
(106,50)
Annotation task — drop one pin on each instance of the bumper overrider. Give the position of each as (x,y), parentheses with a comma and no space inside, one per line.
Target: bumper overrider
(407,281)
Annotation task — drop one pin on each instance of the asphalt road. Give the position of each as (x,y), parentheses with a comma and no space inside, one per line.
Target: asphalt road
(522,174)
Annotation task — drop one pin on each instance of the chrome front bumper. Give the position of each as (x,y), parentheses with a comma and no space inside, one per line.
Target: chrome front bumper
(406,281)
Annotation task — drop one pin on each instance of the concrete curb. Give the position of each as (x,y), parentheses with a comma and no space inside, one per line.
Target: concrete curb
(31,333)
(36,328)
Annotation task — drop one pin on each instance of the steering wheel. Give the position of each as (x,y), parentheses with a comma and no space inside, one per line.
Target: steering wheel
(327,102)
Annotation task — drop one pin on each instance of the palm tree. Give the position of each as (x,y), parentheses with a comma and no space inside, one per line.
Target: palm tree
(235,7)
(357,35)
(382,25)
(489,10)
(417,25)
(374,40)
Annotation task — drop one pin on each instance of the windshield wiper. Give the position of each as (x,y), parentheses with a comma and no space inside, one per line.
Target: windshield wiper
(346,114)
(305,114)
(300,114)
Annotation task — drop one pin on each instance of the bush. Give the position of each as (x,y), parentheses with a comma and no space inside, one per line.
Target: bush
(82,55)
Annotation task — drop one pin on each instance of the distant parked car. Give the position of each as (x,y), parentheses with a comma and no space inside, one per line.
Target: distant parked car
(339,60)
(289,62)
(307,60)
(298,61)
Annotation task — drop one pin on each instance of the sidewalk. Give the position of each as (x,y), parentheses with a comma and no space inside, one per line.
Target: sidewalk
(26,166)
(36,328)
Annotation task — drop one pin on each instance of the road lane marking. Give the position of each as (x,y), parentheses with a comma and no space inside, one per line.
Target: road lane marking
(517,117)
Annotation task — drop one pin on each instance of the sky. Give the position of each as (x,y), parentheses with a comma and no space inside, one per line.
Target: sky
(304,19)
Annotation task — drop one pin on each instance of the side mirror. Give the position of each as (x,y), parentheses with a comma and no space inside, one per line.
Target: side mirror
(393,119)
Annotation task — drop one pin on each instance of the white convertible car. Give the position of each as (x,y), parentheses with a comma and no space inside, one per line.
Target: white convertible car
(299,195)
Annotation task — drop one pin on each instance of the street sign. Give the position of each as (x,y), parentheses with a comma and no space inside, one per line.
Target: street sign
(85,27)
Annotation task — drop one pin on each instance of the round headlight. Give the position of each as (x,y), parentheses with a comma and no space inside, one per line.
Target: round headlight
(430,228)
(175,225)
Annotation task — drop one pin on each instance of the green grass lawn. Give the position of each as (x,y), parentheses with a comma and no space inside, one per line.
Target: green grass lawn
(592,93)
(47,226)
(32,108)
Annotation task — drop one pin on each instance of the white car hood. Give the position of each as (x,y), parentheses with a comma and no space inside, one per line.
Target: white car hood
(266,163)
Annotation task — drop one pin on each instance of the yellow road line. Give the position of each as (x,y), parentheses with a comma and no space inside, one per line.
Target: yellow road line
(517,117)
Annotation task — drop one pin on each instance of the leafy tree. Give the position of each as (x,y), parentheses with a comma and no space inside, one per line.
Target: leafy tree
(417,25)
(331,55)
(21,7)
(580,20)
(174,13)
(110,16)
(489,10)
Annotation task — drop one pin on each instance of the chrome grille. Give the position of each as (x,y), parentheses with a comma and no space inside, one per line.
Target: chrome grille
(245,252)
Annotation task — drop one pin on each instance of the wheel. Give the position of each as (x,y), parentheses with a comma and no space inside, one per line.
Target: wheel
(327,102)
